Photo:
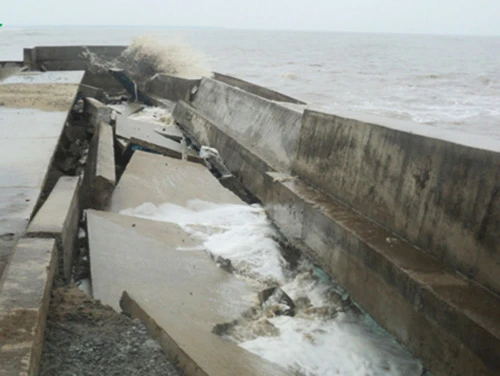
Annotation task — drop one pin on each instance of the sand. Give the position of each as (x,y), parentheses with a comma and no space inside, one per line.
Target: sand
(45,97)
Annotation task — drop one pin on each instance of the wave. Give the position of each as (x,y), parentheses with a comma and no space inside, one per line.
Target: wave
(147,56)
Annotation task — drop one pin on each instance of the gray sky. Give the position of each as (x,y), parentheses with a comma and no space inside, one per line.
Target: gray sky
(406,16)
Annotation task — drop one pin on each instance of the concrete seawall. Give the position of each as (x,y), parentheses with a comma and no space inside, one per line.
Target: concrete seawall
(265,127)
(397,218)
(439,195)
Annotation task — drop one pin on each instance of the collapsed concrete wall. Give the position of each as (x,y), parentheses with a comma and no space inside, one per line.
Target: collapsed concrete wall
(269,129)
(439,195)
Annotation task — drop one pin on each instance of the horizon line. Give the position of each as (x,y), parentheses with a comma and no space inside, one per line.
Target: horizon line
(450,34)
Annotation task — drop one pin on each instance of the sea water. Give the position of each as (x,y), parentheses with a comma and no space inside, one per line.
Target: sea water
(450,82)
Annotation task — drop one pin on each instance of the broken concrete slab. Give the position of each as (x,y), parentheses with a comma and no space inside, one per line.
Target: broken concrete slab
(183,291)
(127,109)
(170,87)
(143,134)
(58,218)
(24,300)
(97,112)
(100,177)
(158,179)
(172,132)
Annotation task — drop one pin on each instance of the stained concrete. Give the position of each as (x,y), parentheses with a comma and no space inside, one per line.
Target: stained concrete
(267,128)
(145,135)
(158,179)
(439,195)
(58,218)
(24,299)
(442,317)
(184,292)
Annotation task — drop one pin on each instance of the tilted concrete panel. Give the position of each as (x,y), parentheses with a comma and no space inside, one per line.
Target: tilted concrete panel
(170,87)
(244,163)
(267,128)
(441,196)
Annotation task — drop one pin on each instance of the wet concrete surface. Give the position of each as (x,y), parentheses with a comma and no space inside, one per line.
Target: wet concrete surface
(29,140)
(158,180)
(182,290)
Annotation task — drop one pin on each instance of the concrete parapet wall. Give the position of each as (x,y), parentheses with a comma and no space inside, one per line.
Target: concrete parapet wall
(443,318)
(58,218)
(170,87)
(261,91)
(441,196)
(66,57)
(268,129)
(24,301)
(240,161)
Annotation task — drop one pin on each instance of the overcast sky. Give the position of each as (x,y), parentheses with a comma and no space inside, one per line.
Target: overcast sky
(403,16)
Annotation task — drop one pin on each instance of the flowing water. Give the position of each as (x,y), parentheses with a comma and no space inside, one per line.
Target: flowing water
(328,334)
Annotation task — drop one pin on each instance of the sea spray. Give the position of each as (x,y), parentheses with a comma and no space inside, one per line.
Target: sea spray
(328,334)
(147,56)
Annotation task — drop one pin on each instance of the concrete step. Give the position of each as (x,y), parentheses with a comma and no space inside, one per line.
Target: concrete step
(24,300)
(447,320)
(58,219)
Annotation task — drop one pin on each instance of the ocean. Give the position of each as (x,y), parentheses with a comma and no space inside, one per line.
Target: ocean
(447,82)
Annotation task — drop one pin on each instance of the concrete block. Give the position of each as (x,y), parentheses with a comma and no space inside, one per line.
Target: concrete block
(248,167)
(170,87)
(442,317)
(440,195)
(170,177)
(58,218)
(179,295)
(261,91)
(268,129)
(100,174)
(24,300)
(97,112)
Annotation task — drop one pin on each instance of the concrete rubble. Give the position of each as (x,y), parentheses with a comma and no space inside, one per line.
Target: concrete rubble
(80,174)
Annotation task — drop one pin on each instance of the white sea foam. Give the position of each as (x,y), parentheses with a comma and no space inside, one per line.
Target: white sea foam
(240,233)
(148,55)
(174,57)
(157,115)
(327,335)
